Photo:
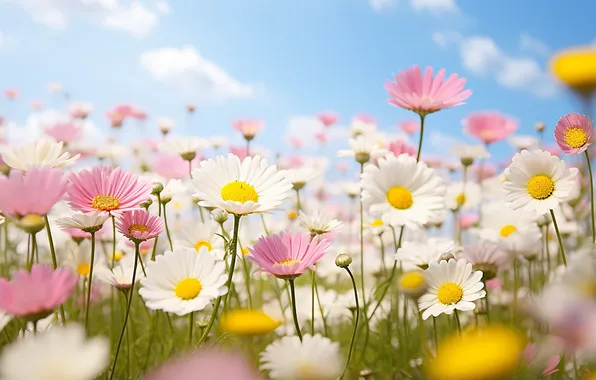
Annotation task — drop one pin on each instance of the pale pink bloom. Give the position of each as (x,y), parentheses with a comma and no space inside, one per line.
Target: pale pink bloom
(321,137)
(494,285)
(248,127)
(36,105)
(126,110)
(65,132)
(573,133)
(140,225)
(11,93)
(106,189)
(138,114)
(239,151)
(328,118)
(36,293)
(489,126)
(468,220)
(484,171)
(287,255)
(206,364)
(292,161)
(83,151)
(342,166)
(555,150)
(170,166)
(364,118)
(398,147)
(116,119)
(97,294)
(144,247)
(410,126)
(530,356)
(424,94)
(296,142)
(77,233)
(34,192)
(79,110)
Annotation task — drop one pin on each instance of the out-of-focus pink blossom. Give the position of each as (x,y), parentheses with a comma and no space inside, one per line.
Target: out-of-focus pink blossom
(364,118)
(65,132)
(489,126)
(36,105)
(248,127)
(296,142)
(468,220)
(239,151)
(342,166)
(410,126)
(398,147)
(494,284)
(321,137)
(553,149)
(483,171)
(116,119)
(530,356)
(11,93)
(328,118)
(170,166)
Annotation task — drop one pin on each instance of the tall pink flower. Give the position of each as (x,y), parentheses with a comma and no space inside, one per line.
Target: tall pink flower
(248,127)
(424,94)
(34,192)
(490,126)
(170,166)
(140,225)
(573,133)
(65,132)
(11,93)
(36,294)
(409,126)
(287,255)
(106,189)
(328,118)
(398,147)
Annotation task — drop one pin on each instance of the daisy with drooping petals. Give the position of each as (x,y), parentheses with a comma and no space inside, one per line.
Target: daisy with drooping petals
(489,127)
(319,222)
(240,188)
(573,133)
(35,295)
(537,181)
(463,196)
(521,142)
(469,153)
(107,190)
(248,127)
(183,281)
(315,357)
(37,154)
(451,286)
(287,255)
(87,222)
(403,191)
(140,225)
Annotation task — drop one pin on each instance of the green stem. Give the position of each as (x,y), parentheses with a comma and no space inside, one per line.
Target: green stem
(154,250)
(552,214)
(591,196)
(165,221)
(362,244)
(294,312)
(298,205)
(312,302)
(51,243)
(89,284)
(247,281)
(264,225)
(420,138)
(353,339)
(457,322)
(113,241)
(191,321)
(321,310)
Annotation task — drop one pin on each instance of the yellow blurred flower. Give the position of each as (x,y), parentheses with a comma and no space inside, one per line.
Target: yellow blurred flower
(490,353)
(247,322)
(576,68)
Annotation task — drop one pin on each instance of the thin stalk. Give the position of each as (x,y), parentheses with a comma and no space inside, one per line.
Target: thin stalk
(88,303)
(591,196)
(312,302)
(561,248)
(247,281)
(190,168)
(362,244)
(113,240)
(298,205)
(264,225)
(321,310)
(50,242)
(353,339)
(165,221)
(191,323)
(154,250)
(294,312)
(422,117)
(457,322)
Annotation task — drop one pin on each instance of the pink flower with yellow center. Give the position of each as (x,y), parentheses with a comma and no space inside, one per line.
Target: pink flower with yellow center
(490,126)
(140,225)
(248,127)
(573,133)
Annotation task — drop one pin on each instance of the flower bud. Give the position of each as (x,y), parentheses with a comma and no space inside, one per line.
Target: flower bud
(188,156)
(540,126)
(156,188)
(343,260)
(467,161)
(146,204)
(32,223)
(362,157)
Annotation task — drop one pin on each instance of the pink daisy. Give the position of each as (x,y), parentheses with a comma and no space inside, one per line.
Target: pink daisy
(65,132)
(36,294)
(36,105)
(296,142)
(240,151)
(573,133)
(328,118)
(140,225)
(106,189)
(287,255)
(424,94)
(248,127)
(398,147)
(116,119)
(489,127)
(409,126)
(34,192)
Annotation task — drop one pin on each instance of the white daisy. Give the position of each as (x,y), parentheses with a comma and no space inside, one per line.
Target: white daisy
(537,181)
(186,146)
(423,253)
(58,353)
(247,187)
(121,275)
(403,191)
(173,188)
(460,196)
(88,222)
(299,177)
(78,257)
(319,222)
(316,357)
(377,227)
(363,148)
(451,286)
(198,235)
(165,125)
(470,153)
(217,142)
(521,142)
(183,281)
(4,319)
(36,154)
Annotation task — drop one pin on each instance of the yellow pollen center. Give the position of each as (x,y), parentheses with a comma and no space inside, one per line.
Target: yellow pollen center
(307,372)
(189,288)
(411,280)
(460,199)
(292,214)
(507,230)
(117,255)
(83,269)
(400,197)
(203,243)
(450,293)
(377,223)
(541,187)
(137,228)
(105,203)
(239,191)
(575,137)
(288,262)
(245,251)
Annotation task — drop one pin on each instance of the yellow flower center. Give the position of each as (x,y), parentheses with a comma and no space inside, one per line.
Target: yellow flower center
(400,197)
(541,186)
(287,262)
(306,371)
(377,223)
(460,199)
(292,215)
(411,280)
(83,269)
(239,191)
(575,137)
(105,203)
(203,243)
(247,322)
(507,230)
(117,255)
(245,251)
(450,293)
(137,228)
(189,288)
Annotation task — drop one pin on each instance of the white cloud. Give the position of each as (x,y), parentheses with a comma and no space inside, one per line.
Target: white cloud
(435,7)
(187,70)
(531,44)
(444,39)
(122,15)
(382,5)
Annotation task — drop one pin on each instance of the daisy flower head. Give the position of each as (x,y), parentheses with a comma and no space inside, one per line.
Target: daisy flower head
(35,295)
(319,222)
(287,255)
(87,222)
(463,196)
(316,357)
(489,126)
(299,177)
(247,322)
(573,133)
(186,147)
(451,286)
(403,191)
(422,253)
(521,142)
(537,181)
(120,276)
(470,153)
(78,257)
(183,281)
(199,235)
(36,154)
(248,127)
(140,225)
(487,257)
(240,188)
(424,94)
(62,352)
(107,190)
(363,148)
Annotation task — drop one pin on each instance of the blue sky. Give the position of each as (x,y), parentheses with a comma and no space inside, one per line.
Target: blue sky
(278,60)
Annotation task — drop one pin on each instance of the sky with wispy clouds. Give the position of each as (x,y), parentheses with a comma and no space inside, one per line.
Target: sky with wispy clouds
(284,61)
